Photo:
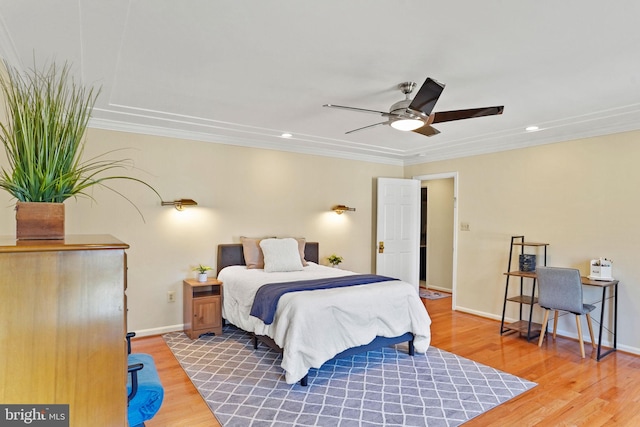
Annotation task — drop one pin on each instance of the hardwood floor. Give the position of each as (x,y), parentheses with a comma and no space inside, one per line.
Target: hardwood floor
(570,391)
(182,405)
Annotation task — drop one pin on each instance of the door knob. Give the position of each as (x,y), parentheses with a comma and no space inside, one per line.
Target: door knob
(381,247)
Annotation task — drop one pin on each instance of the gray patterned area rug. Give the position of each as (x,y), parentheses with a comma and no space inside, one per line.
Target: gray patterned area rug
(387,387)
(429,294)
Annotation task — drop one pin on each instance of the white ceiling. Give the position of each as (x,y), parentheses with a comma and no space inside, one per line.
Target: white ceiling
(242,72)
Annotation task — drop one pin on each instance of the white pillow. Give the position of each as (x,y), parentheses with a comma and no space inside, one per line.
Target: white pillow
(281,255)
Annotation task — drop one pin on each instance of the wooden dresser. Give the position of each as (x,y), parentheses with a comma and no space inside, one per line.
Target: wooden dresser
(63,326)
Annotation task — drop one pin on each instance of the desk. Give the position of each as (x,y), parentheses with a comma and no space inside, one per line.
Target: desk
(604,285)
(613,285)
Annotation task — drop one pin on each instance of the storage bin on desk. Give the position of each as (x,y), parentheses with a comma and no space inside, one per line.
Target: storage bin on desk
(600,269)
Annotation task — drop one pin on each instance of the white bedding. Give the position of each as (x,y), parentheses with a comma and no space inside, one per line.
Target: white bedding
(313,326)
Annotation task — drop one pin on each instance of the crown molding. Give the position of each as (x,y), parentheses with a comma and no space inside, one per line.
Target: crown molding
(162,131)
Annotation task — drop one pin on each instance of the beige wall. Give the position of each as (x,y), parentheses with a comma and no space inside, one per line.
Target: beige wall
(580,196)
(439,233)
(240,191)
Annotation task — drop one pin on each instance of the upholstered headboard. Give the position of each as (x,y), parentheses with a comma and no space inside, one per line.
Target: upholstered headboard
(231,254)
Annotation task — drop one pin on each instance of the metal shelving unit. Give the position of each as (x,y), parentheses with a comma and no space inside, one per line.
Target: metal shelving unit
(527,291)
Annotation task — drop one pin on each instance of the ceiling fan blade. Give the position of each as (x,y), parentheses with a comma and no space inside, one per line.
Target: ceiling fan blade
(449,116)
(427,130)
(370,126)
(427,96)
(361,110)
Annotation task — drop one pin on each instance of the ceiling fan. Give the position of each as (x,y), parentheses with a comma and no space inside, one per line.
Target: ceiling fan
(416,115)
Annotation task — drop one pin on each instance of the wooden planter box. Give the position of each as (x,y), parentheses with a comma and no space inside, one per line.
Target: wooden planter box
(39,221)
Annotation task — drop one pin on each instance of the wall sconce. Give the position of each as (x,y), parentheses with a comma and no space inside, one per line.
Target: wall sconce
(339,209)
(180,204)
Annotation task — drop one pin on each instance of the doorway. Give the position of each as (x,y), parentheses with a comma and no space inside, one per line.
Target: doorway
(423,236)
(438,235)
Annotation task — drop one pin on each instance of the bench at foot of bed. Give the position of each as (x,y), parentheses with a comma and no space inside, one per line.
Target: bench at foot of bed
(377,343)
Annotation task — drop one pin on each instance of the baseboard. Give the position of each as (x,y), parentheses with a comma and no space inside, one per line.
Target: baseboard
(158,331)
(627,349)
(561,332)
(481,314)
(606,342)
(439,288)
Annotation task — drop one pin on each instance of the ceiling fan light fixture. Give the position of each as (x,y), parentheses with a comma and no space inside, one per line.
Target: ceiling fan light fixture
(417,114)
(407,124)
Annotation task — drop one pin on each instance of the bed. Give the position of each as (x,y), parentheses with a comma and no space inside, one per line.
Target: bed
(312,327)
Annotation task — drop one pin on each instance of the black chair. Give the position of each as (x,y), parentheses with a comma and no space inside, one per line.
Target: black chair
(144,389)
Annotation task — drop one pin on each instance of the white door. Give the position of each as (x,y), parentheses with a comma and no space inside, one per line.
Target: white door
(398,229)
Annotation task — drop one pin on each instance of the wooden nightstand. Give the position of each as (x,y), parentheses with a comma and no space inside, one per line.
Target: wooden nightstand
(202,307)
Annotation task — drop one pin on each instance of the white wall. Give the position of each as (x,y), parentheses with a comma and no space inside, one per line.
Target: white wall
(240,191)
(580,196)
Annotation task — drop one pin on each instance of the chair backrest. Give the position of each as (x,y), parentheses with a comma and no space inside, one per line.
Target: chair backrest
(560,289)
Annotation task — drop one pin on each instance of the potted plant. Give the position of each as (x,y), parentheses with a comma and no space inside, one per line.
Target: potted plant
(43,138)
(334,260)
(202,272)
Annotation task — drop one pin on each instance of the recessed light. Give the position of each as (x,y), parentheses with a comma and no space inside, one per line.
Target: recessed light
(286,135)
(531,128)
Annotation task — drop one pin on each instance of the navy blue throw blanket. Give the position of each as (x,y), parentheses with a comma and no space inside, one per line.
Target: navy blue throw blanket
(267,297)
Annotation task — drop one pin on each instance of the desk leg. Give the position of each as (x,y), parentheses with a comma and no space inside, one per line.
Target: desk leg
(615,317)
(614,289)
(604,290)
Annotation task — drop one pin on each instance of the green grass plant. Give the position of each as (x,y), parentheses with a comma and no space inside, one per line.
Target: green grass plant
(44,137)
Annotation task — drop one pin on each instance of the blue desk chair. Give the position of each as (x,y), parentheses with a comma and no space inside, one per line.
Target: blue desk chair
(144,390)
(561,289)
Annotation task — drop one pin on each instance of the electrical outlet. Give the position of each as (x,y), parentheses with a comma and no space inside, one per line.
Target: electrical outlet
(171,296)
